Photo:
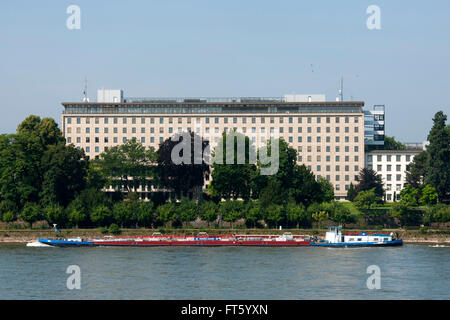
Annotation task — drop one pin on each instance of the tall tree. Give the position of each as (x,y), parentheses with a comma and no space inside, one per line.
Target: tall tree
(128,166)
(438,162)
(416,173)
(232,169)
(35,162)
(64,170)
(351,192)
(181,164)
(290,181)
(369,179)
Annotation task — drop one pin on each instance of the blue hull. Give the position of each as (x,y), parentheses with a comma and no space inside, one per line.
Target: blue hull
(65,243)
(392,243)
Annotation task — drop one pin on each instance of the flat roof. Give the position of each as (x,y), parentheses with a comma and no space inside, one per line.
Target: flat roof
(265,107)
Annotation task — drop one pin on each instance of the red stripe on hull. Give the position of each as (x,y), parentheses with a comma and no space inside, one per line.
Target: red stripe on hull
(210,243)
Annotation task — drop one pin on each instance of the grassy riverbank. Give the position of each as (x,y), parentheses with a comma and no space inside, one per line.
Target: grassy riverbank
(28,235)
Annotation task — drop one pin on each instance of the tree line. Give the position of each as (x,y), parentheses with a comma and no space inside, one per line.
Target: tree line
(43,178)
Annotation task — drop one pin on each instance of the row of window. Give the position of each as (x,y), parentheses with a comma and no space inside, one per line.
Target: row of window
(208,130)
(253,139)
(328,159)
(398,167)
(144,120)
(379,157)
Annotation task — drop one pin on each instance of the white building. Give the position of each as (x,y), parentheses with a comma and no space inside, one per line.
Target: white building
(392,166)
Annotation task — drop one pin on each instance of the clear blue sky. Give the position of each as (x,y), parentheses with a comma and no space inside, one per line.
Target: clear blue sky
(228,48)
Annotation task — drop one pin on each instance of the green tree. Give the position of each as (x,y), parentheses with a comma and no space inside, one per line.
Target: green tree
(232,171)
(187,210)
(166,212)
(366,199)
(274,215)
(439,213)
(187,172)
(9,217)
(429,196)
(231,210)
(369,179)
(416,170)
(36,165)
(320,217)
(64,175)
(208,211)
(326,189)
(7,206)
(114,229)
(124,214)
(31,213)
(144,214)
(76,216)
(128,166)
(296,214)
(55,214)
(410,195)
(405,214)
(342,214)
(438,163)
(351,193)
(101,216)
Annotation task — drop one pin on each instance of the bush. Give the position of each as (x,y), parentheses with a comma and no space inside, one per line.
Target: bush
(55,214)
(439,213)
(31,213)
(114,229)
(101,216)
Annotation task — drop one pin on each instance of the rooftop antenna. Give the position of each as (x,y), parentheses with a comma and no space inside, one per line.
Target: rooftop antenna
(85,98)
(341,91)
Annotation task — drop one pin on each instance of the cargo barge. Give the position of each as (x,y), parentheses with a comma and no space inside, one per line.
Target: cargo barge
(333,238)
(203,240)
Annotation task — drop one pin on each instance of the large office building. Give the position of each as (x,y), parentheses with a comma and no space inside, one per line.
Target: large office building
(328,135)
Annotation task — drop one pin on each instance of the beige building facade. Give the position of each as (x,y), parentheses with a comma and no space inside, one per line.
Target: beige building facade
(391,166)
(328,136)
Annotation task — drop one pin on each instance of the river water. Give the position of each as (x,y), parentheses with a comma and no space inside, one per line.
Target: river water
(413,271)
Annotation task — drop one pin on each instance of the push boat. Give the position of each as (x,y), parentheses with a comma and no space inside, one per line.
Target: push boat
(335,238)
(202,239)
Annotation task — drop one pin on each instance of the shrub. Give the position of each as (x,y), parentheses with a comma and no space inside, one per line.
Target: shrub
(101,215)
(114,229)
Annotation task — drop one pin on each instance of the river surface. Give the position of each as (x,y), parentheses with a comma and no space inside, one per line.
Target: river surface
(413,271)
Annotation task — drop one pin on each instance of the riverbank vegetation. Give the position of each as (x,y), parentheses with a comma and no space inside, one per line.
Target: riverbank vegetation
(43,182)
